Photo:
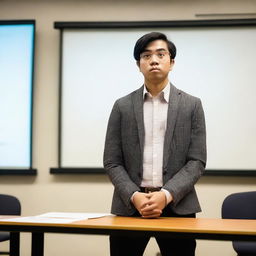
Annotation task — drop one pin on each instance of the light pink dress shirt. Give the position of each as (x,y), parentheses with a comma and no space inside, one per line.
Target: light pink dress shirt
(155,120)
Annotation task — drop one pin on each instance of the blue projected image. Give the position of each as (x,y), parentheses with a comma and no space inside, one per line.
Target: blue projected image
(16,75)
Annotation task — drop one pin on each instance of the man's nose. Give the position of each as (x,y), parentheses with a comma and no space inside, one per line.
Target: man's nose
(154,59)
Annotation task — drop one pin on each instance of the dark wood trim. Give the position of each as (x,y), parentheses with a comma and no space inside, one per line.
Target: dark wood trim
(29,171)
(218,172)
(208,172)
(153,24)
(74,170)
(17,22)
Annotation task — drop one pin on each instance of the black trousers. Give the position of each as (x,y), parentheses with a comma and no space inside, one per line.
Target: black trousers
(135,246)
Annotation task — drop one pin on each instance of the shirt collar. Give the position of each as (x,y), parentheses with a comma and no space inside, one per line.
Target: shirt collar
(165,91)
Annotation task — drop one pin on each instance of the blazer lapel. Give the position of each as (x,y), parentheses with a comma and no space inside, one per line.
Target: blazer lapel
(173,108)
(138,111)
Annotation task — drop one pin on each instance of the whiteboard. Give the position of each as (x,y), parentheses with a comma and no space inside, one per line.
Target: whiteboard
(216,64)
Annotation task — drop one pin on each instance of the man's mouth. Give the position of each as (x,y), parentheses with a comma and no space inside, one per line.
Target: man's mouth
(154,69)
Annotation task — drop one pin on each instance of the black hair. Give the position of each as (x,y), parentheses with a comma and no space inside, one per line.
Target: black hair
(143,42)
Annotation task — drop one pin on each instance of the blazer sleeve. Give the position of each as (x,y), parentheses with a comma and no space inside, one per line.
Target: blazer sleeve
(184,180)
(113,158)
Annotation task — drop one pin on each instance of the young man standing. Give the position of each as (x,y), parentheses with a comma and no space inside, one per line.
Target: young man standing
(155,150)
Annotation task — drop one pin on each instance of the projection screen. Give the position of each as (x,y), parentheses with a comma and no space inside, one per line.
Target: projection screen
(215,61)
(16,86)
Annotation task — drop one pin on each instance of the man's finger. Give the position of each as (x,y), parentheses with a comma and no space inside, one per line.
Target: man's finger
(152,214)
(148,207)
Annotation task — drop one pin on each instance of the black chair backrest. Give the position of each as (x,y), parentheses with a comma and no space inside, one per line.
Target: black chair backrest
(240,206)
(9,205)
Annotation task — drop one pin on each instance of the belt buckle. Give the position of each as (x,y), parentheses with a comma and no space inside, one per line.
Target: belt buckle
(151,189)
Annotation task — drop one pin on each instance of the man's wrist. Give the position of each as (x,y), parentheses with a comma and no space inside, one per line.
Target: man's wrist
(133,195)
(168,195)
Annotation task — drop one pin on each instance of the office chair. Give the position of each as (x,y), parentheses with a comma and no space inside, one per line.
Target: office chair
(9,205)
(241,206)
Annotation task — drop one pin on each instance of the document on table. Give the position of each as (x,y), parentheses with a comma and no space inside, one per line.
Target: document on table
(58,217)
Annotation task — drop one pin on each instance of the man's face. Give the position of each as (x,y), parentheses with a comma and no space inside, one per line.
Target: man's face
(155,62)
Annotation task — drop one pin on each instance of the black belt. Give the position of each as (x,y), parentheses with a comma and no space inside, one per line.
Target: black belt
(149,189)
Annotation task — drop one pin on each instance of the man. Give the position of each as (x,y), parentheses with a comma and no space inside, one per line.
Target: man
(155,150)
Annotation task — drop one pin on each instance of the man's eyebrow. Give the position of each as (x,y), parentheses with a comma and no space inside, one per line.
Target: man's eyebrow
(157,50)
(161,50)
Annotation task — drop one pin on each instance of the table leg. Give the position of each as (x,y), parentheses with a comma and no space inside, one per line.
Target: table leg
(37,244)
(14,244)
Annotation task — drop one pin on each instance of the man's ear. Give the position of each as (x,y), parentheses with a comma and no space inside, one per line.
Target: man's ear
(172,64)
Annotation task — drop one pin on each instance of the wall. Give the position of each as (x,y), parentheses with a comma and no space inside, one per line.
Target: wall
(92,193)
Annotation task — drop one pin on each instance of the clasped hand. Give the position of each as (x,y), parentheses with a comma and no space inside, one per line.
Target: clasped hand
(150,205)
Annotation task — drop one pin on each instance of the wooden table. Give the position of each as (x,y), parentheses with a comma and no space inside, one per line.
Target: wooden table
(199,228)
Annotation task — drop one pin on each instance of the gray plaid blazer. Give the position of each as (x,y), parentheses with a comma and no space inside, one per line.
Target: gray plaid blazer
(184,156)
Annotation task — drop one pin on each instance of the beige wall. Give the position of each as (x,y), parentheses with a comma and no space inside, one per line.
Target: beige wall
(92,193)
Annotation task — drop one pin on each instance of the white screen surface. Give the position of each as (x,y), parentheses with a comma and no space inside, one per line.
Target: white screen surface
(214,64)
(16,62)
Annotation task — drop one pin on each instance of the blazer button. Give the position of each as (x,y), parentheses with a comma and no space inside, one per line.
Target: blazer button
(164,172)
(139,174)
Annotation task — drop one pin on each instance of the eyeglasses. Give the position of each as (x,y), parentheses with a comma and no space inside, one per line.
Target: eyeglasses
(160,55)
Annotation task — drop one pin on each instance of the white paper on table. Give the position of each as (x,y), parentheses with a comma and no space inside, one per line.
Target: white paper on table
(58,217)
(73,215)
(36,219)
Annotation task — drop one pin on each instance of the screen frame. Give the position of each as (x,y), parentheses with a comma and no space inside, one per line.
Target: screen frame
(61,25)
(30,170)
